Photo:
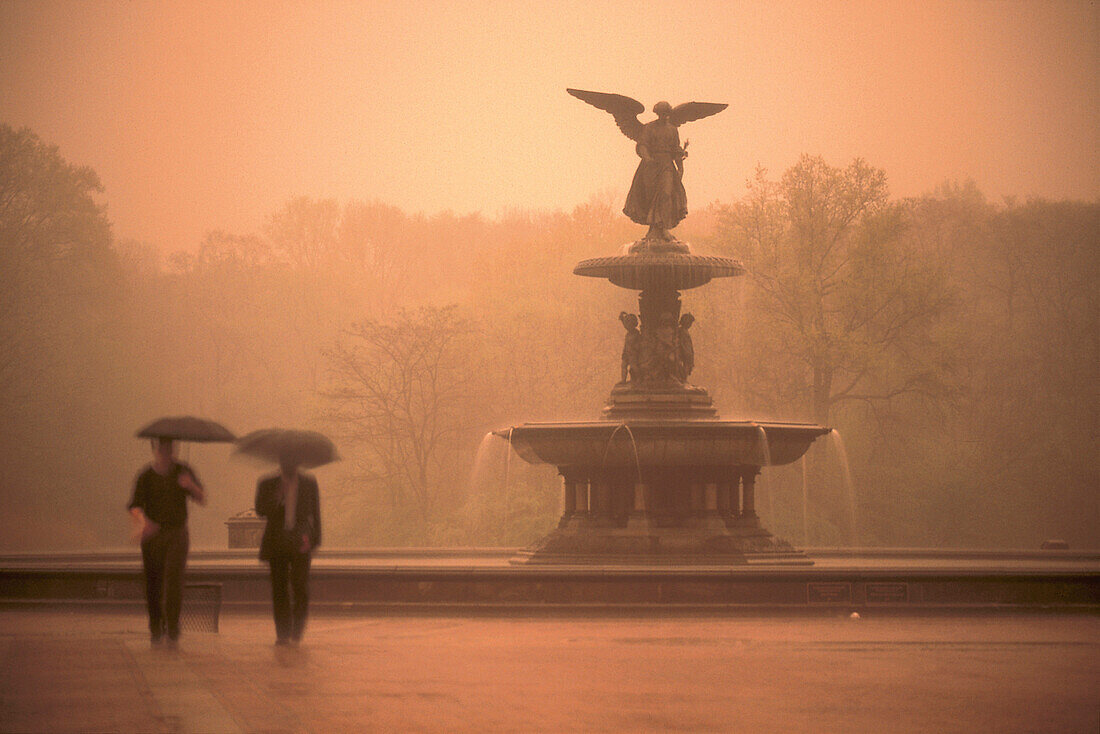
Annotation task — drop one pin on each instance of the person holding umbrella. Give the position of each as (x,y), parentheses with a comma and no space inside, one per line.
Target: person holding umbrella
(159,508)
(290,502)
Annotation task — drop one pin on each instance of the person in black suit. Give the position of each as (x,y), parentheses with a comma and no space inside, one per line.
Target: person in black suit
(288,540)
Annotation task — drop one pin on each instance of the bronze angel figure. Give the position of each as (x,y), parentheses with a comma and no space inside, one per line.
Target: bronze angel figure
(656,197)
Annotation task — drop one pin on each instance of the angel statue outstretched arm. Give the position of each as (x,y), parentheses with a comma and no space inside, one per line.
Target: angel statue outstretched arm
(656,197)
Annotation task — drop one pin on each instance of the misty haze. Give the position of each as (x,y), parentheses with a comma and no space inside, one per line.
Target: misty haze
(955,350)
(683,366)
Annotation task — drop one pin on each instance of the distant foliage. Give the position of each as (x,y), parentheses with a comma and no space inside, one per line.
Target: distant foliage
(842,307)
(953,341)
(54,241)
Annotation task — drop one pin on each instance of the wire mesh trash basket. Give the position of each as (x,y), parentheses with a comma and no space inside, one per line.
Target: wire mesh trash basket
(202,603)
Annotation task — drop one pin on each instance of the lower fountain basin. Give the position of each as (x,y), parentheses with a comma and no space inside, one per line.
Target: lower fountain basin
(663,443)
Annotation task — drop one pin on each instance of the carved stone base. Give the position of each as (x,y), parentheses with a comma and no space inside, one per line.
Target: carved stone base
(633,545)
(658,242)
(670,400)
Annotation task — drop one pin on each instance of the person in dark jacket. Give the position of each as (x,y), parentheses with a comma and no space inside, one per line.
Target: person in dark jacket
(290,502)
(159,508)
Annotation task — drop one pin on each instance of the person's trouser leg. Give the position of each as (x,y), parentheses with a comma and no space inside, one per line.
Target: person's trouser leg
(299,583)
(175,561)
(152,561)
(280,600)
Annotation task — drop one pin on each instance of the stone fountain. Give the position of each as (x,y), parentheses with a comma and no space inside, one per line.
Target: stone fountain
(660,477)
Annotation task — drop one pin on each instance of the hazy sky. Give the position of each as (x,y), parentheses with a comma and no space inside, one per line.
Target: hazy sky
(201,115)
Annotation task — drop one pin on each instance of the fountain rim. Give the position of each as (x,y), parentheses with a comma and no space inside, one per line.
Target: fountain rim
(703,424)
(701,442)
(641,270)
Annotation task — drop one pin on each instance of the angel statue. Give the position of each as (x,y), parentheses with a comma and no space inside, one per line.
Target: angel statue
(657,197)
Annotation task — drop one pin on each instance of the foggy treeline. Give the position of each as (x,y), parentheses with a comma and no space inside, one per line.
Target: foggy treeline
(953,342)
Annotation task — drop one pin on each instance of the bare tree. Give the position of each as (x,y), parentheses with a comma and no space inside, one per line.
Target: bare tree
(401,393)
(305,232)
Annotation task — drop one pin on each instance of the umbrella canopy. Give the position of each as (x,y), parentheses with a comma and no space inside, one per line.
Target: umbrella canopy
(187,428)
(302,448)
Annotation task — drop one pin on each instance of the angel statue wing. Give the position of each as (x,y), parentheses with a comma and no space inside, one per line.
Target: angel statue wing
(624,109)
(690,111)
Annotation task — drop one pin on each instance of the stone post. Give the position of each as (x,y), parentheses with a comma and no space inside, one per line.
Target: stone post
(637,520)
(599,499)
(698,506)
(712,518)
(245,529)
(748,488)
(711,500)
(724,507)
(569,499)
(580,503)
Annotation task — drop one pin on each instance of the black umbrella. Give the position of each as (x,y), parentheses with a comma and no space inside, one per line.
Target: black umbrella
(187,428)
(301,448)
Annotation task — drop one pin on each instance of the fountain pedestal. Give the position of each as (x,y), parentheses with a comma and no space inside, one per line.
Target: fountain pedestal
(658,401)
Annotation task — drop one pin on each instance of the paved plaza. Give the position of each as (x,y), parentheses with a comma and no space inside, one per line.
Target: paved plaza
(75,670)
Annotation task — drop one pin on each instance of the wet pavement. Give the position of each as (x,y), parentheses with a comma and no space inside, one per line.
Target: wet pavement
(75,669)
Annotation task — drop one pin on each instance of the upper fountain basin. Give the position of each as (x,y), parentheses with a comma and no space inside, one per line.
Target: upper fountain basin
(644,270)
(665,443)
